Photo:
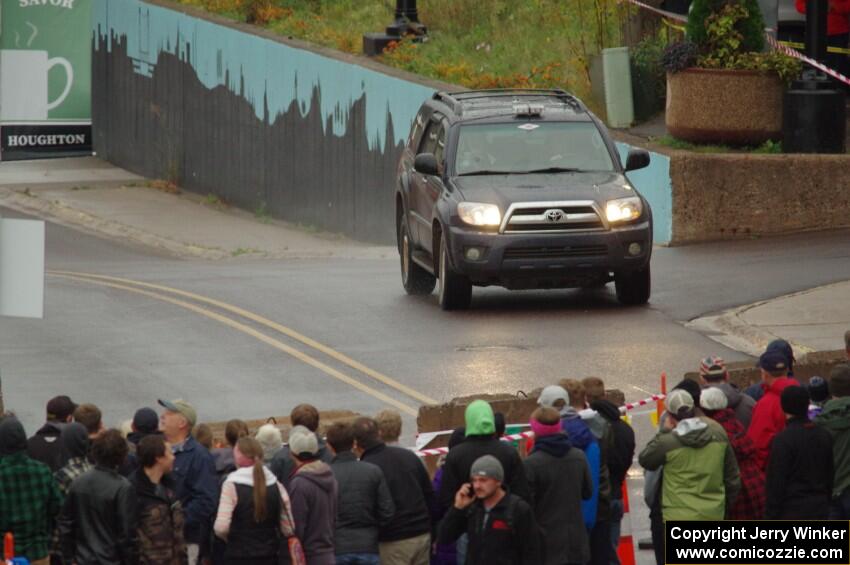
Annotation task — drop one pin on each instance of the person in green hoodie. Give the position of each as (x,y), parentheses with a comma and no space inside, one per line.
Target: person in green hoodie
(835,419)
(701,477)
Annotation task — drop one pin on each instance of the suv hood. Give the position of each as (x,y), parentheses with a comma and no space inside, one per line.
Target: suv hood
(504,190)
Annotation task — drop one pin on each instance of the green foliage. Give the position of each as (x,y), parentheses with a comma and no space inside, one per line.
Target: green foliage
(768,147)
(749,28)
(771,147)
(725,45)
(679,56)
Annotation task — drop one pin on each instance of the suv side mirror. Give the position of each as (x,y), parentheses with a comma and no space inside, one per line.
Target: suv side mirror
(637,159)
(426,163)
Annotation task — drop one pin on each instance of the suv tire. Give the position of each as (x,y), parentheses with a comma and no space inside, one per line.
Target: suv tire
(455,290)
(633,288)
(416,280)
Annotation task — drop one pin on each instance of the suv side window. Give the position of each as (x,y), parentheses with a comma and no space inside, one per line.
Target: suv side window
(440,150)
(418,125)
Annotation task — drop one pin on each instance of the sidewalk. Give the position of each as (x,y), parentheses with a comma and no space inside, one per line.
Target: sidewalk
(811,320)
(92,195)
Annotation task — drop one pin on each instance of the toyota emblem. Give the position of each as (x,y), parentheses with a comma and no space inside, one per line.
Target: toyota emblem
(554,216)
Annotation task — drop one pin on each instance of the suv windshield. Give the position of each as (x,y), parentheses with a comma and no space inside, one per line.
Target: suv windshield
(527,147)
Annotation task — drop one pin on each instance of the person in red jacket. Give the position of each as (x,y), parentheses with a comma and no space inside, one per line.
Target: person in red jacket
(837,31)
(768,417)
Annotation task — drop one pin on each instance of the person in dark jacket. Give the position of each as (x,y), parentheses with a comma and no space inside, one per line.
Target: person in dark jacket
(282,464)
(713,374)
(194,474)
(800,467)
(501,526)
(365,503)
(480,440)
(314,493)
(234,430)
(559,478)
(406,539)
(619,458)
(97,524)
(145,423)
(29,498)
(159,515)
(445,554)
(255,513)
(45,446)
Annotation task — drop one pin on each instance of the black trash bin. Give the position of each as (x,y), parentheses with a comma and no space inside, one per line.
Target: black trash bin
(814,118)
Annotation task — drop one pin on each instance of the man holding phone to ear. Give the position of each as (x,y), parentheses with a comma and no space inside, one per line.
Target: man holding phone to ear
(501,526)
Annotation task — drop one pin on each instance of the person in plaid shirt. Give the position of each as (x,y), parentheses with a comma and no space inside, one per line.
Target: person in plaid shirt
(749,505)
(29,497)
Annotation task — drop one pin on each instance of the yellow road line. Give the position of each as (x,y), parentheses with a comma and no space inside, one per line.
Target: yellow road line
(303,357)
(342,358)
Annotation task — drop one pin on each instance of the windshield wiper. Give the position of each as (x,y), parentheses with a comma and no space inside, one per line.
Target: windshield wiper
(550,170)
(485,172)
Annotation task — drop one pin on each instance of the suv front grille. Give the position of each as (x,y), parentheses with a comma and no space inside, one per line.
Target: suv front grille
(554,217)
(561,252)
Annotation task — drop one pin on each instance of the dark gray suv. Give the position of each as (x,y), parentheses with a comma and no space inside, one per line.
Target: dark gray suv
(522,189)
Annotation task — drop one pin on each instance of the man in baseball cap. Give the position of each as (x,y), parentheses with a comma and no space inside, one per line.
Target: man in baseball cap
(45,446)
(501,526)
(713,374)
(194,472)
(768,417)
(700,470)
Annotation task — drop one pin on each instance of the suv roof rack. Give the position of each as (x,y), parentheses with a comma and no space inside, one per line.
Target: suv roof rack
(456,100)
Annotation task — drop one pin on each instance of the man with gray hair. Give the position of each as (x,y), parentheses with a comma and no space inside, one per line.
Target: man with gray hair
(194,475)
(501,526)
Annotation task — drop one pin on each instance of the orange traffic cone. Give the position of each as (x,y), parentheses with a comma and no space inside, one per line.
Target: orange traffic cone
(626,549)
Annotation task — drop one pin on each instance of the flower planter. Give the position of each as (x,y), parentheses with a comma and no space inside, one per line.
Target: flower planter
(724,106)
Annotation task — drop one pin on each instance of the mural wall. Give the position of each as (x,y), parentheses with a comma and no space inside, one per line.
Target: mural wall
(265,126)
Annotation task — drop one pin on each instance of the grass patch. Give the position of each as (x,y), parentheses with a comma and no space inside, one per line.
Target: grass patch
(261,212)
(498,43)
(164,186)
(81,187)
(768,147)
(243,251)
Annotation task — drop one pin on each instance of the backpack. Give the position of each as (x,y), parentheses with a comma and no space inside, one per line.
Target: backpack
(538,533)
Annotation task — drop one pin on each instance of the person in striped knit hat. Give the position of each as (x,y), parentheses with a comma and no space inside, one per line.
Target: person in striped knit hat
(713,374)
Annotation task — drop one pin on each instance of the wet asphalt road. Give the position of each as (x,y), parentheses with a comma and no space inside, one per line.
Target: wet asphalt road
(122,350)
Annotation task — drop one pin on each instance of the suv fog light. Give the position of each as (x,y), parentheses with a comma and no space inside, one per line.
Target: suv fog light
(473,253)
(635,249)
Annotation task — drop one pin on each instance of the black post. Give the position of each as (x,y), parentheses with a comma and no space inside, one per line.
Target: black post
(816,11)
(406,10)
(406,23)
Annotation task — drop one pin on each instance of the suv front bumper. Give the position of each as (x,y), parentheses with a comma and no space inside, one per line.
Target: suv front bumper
(550,260)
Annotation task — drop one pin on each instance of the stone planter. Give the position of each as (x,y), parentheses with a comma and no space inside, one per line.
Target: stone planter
(724,106)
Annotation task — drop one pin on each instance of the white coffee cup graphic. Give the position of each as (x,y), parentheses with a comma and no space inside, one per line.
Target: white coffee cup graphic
(23,84)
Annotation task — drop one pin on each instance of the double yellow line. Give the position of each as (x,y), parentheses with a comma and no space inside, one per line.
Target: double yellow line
(177,297)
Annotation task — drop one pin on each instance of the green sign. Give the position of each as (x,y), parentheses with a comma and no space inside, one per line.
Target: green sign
(45,61)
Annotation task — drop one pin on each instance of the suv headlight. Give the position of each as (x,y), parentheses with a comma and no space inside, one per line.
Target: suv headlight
(477,214)
(623,209)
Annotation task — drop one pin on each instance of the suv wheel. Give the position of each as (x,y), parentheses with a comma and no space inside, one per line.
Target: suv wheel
(455,289)
(416,280)
(633,288)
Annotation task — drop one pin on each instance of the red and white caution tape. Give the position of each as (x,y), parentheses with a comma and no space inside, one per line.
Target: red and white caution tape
(791,52)
(632,405)
(444,450)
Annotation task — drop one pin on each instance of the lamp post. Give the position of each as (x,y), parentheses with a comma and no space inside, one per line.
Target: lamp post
(406,23)
(814,110)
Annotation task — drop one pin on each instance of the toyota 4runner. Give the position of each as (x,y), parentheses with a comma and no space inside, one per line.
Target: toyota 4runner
(522,189)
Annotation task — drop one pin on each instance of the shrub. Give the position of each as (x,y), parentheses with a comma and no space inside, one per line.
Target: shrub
(750,27)
(679,56)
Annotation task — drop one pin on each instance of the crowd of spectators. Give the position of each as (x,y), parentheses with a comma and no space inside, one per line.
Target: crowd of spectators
(163,492)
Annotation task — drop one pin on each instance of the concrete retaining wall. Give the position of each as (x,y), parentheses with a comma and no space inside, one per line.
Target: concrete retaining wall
(272,125)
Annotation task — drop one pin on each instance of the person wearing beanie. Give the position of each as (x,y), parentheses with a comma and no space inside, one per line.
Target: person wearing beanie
(500,526)
(701,478)
(799,471)
(581,437)
(819,392)
(254,513)
(29,499)
(314,492)
(45,446)
(713,374)
(768,417)
(559,479)
(145,423)
(749,504)
(481,440)
(835,419)
(406,539)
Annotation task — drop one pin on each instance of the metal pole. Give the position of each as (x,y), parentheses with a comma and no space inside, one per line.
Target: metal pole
(816,11)
(406,10)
